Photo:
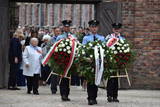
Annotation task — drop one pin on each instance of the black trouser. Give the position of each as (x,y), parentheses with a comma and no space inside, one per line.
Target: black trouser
(33,83)
(75,80)
(112,87)
(64,87)
(92,90)
(14,68)
(54,82)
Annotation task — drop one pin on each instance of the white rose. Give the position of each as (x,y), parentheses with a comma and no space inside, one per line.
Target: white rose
(68,52)
(64,50)
(83,52)
(60,49)
(107,51)
(90,45)
(122,41)
(67,40)
(66,43)
(78,55)
(59,45)
(113,48)
(115,52)
(56,50)
(63,45)
(128,49)
(91,56)
(68,47)
(118,48)
(123,48)
(120,51)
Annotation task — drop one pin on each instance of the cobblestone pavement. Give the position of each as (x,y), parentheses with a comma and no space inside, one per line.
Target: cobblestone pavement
(128,98)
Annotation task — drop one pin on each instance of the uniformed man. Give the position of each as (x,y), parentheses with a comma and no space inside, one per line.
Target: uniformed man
(64,85)
(92,89)
(112,85)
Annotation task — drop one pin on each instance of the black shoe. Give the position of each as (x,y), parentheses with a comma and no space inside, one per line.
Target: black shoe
(28,92)
(9,88)
(95,101)
(91,102)
(53,92)
(16,88)
(110,99)
(36,93)
(115,100)
(64,98)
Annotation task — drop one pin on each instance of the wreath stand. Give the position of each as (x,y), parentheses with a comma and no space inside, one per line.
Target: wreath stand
(122,76)
(52,73)
(118,75)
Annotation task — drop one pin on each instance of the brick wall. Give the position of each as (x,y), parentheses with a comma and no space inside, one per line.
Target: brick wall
(141,20)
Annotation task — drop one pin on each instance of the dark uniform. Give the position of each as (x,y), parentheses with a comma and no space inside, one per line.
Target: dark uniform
(112,85)
(64,85)
(92,89)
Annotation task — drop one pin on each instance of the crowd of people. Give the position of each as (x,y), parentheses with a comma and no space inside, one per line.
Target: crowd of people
(29,45)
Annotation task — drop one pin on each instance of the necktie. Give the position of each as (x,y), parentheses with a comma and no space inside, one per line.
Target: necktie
(94,37)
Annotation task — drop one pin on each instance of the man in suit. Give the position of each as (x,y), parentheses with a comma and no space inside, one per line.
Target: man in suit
(112,85)
(92,89)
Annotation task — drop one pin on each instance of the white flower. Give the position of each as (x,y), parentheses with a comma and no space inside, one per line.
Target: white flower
(79,55)
(64,50)
(56,50)
(120,51)
(91,56)
(115,52)
(123,48)
(66,43)
(60,49)
(107,51)
(113,48)
(125,51)
(118,48)
(63,45)
(127,44)
(68,47)
(68,52)
(90,45)
(83,52)
(67,40)
(59,45)
(128,49)
(122,41)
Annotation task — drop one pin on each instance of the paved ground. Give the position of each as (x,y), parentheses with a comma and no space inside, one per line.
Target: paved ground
(128,98)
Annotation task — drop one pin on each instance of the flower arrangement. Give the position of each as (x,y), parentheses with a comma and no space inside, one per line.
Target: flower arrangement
(121,55)
(62,55)
(86,59)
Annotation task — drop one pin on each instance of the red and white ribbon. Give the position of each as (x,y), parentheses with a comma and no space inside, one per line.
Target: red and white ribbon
(72,55)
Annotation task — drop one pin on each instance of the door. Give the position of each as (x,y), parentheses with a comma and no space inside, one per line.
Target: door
(108,13)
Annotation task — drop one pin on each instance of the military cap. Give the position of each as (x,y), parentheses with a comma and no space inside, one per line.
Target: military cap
(93,23)
(117,25)
(66,23)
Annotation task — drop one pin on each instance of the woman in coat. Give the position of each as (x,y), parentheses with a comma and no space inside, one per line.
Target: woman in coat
(32,65)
